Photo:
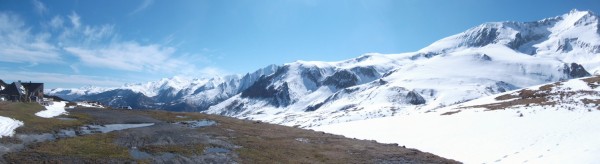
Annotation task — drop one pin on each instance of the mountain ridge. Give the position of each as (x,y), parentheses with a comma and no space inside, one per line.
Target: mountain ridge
(484,60)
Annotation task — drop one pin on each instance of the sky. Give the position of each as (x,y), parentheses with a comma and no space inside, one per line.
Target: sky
(106,43)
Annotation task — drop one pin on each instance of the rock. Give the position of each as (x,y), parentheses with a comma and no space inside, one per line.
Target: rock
(415,98)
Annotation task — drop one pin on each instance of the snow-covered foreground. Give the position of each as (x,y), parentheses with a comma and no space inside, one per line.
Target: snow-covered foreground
(56,109)
(8,126)
(540,136)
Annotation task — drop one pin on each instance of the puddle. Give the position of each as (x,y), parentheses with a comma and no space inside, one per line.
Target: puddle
(138,155)
(66,119)
(216,150)
(28,138)
(197,123)
(94,129)
(181,116)
(91,129)
(66,133)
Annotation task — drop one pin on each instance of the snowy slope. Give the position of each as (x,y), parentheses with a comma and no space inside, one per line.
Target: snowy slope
(551,123)
(295,86)
(485,60)
(416,85)
(573,38)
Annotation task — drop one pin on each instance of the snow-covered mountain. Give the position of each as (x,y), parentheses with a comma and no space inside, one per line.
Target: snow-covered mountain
(484,60)
(176,93)
(573,38)
(549,123)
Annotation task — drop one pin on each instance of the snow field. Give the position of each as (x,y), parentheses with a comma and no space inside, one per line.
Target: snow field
(546,136)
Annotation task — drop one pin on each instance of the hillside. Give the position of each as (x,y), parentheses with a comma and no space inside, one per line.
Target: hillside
(88,135)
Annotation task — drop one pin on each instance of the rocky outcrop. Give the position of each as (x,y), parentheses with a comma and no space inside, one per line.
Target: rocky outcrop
(341,79)
(575,70)
(414,98)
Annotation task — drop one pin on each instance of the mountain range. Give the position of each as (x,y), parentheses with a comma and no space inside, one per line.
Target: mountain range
(485,60)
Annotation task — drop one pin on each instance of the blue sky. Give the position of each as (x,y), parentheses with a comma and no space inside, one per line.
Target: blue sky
(72,43)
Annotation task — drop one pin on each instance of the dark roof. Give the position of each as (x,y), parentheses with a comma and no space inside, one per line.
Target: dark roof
(10,89)
(33,86)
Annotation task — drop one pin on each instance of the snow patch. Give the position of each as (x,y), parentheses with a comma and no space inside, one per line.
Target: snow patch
(53,110)
(575,85)
(8,126)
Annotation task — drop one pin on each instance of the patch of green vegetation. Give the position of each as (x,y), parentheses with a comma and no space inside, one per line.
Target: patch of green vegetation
(175,149)
(95,146)
(34,124)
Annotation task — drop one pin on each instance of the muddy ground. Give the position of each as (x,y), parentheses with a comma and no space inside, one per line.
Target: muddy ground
(230,140)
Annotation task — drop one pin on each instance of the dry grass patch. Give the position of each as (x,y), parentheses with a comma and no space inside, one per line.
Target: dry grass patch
(174,116)
(593,82)
(97,146)
(450,112)
(175,149)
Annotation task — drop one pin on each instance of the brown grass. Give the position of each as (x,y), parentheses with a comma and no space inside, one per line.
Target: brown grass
(174,116)
(95,146)
(187,150)
(34,124)
(593,82)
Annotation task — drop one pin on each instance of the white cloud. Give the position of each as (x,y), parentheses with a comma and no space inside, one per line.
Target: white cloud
(19,45)
(90,46)
(75,20)
(132,56)
(145,4)
(56,22)
(39,7)
(85,35)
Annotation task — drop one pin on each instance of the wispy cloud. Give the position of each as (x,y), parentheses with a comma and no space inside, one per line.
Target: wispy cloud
(56,22)
(71,43)
(130,56)
(59,78)
(39,7)
(75,19)
(20,45)
(145,4)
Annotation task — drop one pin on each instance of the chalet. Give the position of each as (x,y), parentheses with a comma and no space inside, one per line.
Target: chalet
(23,92)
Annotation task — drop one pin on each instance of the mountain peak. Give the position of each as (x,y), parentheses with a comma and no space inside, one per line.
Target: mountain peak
(578,28)
(579,12)
(576,17)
